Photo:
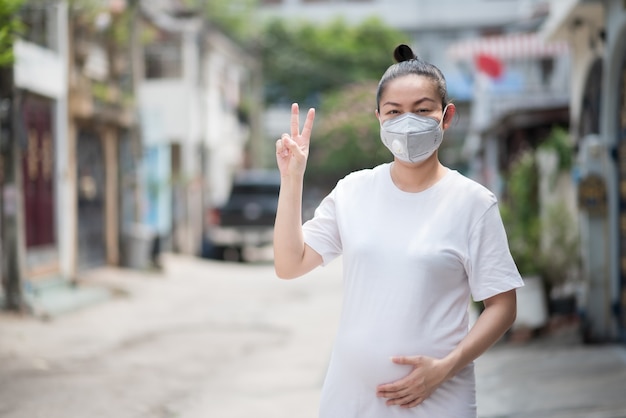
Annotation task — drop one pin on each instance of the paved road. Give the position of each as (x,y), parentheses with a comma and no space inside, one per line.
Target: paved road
(219,340)
(555,377)
(207,339)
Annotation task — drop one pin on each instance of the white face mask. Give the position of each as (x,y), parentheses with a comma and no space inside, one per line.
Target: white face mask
(412,138)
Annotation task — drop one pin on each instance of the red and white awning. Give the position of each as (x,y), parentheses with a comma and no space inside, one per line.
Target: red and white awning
(506,47)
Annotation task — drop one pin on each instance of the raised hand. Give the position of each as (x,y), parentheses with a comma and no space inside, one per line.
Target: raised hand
(292,151)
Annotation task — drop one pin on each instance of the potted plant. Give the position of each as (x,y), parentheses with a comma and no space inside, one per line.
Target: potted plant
(541,230)
(559,262)
(520,214)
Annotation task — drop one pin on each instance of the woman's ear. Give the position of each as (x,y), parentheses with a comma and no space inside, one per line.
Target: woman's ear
(377,114)
(449,116)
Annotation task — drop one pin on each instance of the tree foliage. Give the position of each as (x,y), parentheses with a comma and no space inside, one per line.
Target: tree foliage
(520,213)
(544,245)
(303,60)
(10,27)
(237,18)
(347,134)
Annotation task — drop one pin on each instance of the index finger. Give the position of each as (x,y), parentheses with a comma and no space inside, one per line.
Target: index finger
(295,120)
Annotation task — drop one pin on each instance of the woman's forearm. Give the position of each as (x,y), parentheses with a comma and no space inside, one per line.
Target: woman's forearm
(288,239)
(497,317)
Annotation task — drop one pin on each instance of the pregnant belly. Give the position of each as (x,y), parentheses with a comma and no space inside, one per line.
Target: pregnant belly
(367,361)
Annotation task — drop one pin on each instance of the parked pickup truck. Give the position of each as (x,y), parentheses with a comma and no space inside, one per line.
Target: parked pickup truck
(247,217)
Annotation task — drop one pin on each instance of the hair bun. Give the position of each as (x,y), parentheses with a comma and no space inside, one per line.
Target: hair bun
(403,53)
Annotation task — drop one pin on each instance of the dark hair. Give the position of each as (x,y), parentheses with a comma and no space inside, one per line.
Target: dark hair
(408,63)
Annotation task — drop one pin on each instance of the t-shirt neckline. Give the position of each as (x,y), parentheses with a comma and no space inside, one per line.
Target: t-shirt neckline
(422,193)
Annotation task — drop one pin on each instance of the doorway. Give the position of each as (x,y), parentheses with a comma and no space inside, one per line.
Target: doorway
(91,199)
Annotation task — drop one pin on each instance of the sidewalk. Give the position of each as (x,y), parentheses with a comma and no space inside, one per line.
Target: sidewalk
(554,376)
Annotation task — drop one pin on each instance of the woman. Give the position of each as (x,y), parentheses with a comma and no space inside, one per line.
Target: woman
(417,240)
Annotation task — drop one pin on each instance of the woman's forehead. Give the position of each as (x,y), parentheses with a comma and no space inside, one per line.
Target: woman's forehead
(410,86)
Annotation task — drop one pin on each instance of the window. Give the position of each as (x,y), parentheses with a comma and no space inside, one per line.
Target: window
(36,19)
(163,58)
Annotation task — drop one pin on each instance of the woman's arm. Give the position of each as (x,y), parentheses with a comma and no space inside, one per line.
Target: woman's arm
(292,257)
(428,373)
(497,317)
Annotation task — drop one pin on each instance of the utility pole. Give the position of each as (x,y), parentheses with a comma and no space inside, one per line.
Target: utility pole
(10,199)
(137,70)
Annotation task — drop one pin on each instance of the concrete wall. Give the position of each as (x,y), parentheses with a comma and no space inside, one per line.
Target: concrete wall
(165,110)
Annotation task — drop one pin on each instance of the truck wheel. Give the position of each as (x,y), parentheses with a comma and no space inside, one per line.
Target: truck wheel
(232,254)
(217,252)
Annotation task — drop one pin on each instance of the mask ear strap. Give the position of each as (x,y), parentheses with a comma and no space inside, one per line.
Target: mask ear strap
(443,116)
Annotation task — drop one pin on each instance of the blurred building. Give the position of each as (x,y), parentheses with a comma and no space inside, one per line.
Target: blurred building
(121,122)
(520,92)
(596,33)
(34,152)
(198,101)
(69,143)
(101,123)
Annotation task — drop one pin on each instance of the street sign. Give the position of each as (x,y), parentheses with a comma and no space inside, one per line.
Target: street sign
(592,195)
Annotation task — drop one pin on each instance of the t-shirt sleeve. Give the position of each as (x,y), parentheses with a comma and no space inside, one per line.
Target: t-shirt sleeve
(491,269)
(321,233)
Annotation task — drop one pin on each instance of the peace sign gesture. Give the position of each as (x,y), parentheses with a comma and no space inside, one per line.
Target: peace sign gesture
(292,151)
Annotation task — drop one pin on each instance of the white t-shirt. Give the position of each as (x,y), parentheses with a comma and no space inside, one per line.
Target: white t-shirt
(411,261)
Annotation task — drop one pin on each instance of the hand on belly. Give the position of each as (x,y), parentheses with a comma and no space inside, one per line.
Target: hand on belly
(426,375)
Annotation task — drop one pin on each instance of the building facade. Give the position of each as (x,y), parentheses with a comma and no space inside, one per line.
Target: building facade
(68,143)
(120,121)
(198,102)
(596,32)
(37,192)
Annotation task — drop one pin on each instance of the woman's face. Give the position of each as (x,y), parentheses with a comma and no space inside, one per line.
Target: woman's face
(412,93)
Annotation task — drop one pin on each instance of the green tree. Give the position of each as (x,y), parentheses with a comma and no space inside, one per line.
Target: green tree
(10,27)
(303,60)
(520,213)
(237,18)
(347,134)
(334,67)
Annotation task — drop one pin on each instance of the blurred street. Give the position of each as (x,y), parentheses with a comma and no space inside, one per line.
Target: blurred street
(223,340)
